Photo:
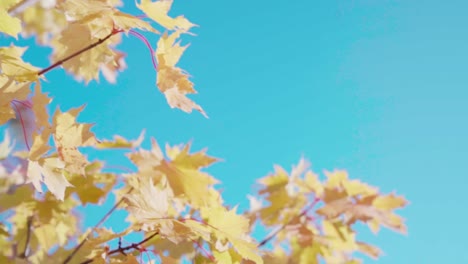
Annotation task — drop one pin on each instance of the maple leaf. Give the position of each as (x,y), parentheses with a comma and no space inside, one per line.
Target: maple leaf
(146,160)
(13,66)
(94,186)
(68,136)
(189,160)
(149,203)
(40,145)
(283,201)
(171,80)
(369,250)
(8,24)
(50,172)
(231,227)
(120,142)
(99,15)
(40,101)
(186,180)
(158,12)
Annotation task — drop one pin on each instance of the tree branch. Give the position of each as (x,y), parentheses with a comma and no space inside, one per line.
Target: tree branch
(122,250)
(274,233)
(69,57)
(103,219)
(24,254)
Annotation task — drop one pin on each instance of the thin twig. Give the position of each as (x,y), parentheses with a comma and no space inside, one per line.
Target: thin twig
(204,251)
(24,255)
(60,62)
(103,219)
(123,249)
(273,234)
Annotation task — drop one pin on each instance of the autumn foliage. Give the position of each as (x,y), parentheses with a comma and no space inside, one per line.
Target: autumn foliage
(171,200)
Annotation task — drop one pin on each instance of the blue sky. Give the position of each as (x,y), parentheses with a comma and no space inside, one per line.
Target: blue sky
(378,88)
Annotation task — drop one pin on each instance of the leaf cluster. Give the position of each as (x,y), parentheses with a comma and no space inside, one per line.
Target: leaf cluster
(170,199)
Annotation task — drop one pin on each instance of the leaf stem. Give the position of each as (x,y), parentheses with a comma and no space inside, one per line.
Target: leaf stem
(142,38)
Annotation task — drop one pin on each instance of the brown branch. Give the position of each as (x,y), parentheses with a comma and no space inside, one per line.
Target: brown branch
(103,219)
(274,233)
(122,250)
(28,238)
(69,57)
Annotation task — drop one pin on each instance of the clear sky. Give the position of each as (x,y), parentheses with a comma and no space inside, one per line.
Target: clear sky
(376,87)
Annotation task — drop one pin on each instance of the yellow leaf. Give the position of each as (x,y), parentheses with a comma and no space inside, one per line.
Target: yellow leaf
(340,237)
(50,235)
(148,202)
(40,144)
(126,22)
(120,142)
(158,12)
(172,81)
(68,136)
(35,174)
(336,178)
(335,208)
(13,66)
(40,101)
(228,223)
(8,24)
(389,202)
(10,90)
(188,183)
(169,51)
(92,188)
(146,160)
(193,161)
(275,181)
(49,171)
(177,99)
(232,227)
(355,187)
(313,183)
(222,257)
(369,250)
(4,230)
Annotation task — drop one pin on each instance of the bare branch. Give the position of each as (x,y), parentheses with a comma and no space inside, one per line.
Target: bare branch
(120,249)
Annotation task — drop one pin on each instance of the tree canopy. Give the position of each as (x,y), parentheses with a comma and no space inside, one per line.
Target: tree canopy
(170,198)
